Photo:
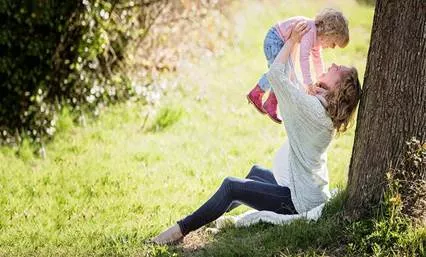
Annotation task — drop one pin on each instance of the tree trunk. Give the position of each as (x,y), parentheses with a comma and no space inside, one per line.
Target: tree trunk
(393,104)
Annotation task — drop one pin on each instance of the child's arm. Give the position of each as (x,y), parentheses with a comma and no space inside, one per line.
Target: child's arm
(292,101)
(317,59)
(306,45)
(281,71)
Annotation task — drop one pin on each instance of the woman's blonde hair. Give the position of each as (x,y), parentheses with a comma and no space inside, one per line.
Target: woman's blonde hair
(331,23)
(343,100)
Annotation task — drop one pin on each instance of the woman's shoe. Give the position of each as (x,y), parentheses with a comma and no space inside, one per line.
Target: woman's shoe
(270,106)
(255,97)
(172,235)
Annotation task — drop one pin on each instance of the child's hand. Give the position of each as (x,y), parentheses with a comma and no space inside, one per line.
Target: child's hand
(309,89)
(315,90)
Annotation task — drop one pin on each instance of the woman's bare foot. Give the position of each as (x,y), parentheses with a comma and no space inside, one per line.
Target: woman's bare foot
(171,235)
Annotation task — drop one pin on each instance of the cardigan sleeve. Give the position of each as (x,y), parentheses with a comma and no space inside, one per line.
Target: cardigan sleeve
(291,100)
(303,114)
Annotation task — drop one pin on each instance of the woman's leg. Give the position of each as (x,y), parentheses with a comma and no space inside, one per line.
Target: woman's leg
(261,174)
(256,194)
(256,173)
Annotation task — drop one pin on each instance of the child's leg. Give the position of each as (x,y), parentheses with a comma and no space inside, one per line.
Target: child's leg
(271,47)
(275,43)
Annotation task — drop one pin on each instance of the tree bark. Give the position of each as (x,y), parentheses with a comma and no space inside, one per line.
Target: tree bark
(393,104)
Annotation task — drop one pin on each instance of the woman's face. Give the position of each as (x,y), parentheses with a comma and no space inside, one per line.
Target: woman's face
(333,76)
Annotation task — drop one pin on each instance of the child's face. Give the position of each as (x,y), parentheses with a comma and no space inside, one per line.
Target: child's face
(328,42)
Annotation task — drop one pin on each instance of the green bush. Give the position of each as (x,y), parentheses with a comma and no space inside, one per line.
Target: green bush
(28,38)
(78,54)
(57,53)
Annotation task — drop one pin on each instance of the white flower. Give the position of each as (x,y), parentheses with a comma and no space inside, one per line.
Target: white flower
(90,98)
(50,130)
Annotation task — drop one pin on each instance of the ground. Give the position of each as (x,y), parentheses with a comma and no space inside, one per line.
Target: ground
(105,188)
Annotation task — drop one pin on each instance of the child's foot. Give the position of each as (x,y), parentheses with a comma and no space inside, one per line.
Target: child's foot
(270,106)
(255,97)
(170,236)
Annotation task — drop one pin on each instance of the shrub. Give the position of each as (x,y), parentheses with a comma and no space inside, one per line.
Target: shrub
(392,232)
(79,53)
(409,181)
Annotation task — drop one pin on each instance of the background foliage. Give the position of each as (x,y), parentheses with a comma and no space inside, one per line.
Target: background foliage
(79,54)
(107,187)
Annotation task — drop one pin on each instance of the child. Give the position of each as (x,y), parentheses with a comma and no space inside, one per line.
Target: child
(330,28)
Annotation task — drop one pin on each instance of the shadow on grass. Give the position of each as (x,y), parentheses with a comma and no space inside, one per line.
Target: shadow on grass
(299,238)
(331,235)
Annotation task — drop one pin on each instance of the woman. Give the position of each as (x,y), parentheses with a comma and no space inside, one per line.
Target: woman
(299,180)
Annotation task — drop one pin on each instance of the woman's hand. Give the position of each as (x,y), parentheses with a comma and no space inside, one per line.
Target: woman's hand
(299,30)
(296,33)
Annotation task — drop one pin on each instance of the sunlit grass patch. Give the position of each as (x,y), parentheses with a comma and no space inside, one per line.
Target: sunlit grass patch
(166,117)
(106,187)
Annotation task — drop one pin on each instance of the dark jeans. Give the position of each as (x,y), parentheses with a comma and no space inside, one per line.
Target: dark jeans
(259,190)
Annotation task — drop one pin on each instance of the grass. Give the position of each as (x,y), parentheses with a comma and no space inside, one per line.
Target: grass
(166,117)
(105,188)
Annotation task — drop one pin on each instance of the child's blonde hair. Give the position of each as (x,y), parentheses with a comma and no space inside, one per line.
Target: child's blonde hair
(331,23)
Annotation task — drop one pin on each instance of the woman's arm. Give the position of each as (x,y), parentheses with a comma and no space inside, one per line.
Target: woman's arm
(293,101)
(282,68)
(300,29)
(285,52)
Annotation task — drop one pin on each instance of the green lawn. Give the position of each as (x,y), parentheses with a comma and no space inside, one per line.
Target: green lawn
(105,188)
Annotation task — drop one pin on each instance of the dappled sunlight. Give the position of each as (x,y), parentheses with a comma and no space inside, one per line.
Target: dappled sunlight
(109,183)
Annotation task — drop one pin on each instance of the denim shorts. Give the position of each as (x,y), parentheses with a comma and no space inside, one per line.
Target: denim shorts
(271,47)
